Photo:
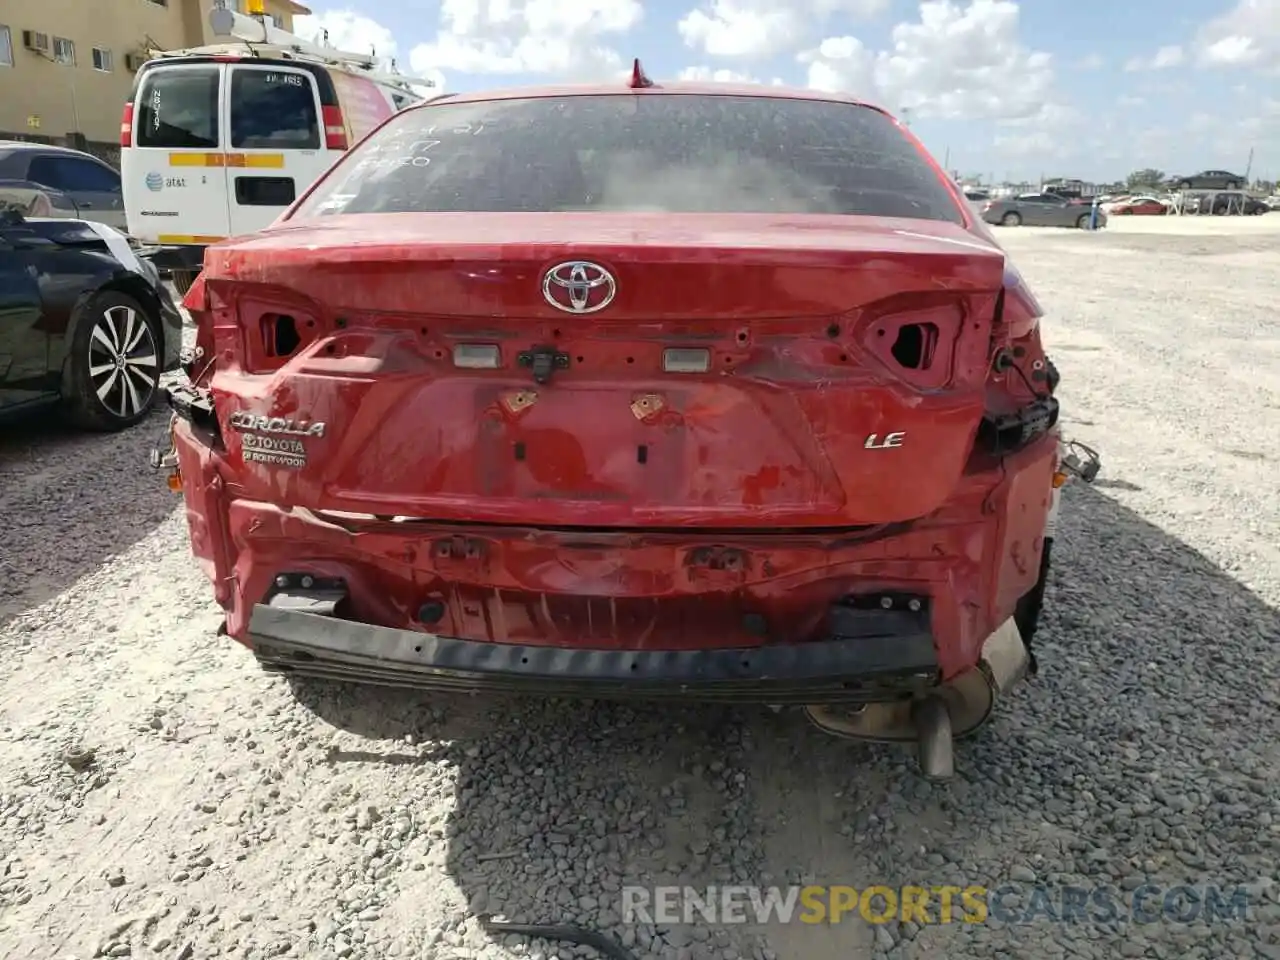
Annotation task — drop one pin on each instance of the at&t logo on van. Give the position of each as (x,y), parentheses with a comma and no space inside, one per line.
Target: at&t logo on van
(155,182)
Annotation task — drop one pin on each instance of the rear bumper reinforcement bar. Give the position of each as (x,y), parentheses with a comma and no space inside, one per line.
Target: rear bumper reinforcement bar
(841,669)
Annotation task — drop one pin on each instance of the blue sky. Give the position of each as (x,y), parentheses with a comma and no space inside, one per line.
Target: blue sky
(1088,88)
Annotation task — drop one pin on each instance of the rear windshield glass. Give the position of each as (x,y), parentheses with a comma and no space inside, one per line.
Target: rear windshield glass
(273,110)
(179,108)
(664,153)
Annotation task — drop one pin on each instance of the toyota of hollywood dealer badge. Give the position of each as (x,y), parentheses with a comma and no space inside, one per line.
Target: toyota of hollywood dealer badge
(277,441)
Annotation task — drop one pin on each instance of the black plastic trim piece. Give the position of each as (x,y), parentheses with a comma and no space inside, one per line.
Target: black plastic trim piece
(1004,433)
(192,405)
(866,658)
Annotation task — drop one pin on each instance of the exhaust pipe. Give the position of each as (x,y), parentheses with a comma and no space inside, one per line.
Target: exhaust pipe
(953,710)
(935,744)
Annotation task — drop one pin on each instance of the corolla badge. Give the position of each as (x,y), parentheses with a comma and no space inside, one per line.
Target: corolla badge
(155,182)
(579,286)
(244,420)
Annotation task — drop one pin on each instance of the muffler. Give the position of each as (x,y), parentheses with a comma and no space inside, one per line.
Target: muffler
(951,711)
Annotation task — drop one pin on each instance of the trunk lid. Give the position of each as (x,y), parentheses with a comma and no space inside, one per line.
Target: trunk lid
(846,360)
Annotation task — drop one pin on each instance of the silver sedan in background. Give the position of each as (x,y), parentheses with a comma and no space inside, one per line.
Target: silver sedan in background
(1040,210)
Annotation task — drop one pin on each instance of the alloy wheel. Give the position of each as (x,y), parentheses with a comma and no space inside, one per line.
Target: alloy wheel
(124,365)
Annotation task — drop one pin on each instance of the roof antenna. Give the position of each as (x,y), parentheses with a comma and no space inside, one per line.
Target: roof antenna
(639,78)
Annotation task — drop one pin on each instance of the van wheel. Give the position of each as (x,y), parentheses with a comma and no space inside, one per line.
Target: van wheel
(112,374)
(183,279)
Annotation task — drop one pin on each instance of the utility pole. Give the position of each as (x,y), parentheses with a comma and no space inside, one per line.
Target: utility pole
(1248,166)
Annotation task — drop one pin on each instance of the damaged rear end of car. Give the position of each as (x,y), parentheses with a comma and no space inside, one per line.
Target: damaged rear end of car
(582,430)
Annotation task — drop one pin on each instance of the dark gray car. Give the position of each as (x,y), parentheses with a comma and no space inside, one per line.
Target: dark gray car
(1040,210)
(1210,180)
(92,185)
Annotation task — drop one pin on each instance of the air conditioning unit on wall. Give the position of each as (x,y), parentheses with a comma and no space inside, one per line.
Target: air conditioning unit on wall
(133,61)
(37,42)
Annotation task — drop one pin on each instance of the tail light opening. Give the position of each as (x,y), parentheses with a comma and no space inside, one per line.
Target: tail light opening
(280,334)
(914,345)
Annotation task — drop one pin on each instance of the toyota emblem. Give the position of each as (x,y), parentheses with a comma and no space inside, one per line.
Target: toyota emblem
(578,286)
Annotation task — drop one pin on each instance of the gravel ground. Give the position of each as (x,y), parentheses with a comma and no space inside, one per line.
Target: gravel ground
(161,797)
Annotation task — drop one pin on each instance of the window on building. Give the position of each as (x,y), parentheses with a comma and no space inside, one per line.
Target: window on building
(6,46)
(160,3)
(102,59)
(64,51)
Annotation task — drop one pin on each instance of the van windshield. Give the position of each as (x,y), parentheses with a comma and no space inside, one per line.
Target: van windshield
(692,153)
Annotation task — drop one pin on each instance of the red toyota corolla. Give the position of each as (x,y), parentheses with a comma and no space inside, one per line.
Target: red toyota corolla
(681,391)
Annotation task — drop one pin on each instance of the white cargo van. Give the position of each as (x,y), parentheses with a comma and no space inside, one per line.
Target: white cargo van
(218,141)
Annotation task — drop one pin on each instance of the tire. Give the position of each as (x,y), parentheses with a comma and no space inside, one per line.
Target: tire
(107,385)
(1011,219)
(1184,185)
(1082,221)
(1233,184)
(183,279)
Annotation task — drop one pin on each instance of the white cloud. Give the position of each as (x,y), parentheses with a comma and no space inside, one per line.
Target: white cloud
(755,29)
(1247,34)
(354,33)
(705,74)
(957,62)
(1050,114)
(843,64)
(1162,59)
(347,31)
(564,38)
(1023,145)
(1093,61)
(1232,50)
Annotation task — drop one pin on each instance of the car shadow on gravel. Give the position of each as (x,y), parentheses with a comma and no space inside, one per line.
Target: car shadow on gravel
(1141,753)
(71,500)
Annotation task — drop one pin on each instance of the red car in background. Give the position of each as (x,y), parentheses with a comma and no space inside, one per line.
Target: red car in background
(1139,207)
(686,392)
